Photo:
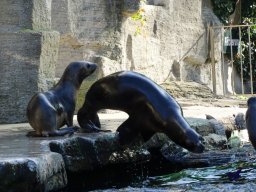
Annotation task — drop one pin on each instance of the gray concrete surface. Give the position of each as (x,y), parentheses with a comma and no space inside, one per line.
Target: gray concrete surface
(14,143)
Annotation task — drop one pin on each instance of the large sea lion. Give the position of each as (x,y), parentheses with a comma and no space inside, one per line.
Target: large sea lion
(250,118)
(150,108)
(48,111)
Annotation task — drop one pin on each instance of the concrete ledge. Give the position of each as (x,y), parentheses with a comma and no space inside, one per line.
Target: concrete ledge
(27,164)
(44,173)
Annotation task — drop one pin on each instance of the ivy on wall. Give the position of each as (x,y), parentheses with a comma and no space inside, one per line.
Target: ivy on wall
(139,17)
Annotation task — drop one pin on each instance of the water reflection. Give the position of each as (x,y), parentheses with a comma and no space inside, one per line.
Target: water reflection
(208,175)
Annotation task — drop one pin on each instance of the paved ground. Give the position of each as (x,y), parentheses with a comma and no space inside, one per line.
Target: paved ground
(14,143)
(15,146)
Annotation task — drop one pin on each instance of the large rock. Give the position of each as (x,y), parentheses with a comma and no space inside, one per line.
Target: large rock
(202,126)
(165,40)
(91,29)
(25,14)
(131,7)
(173,42)
(44,173)
(28,54)
(27,164)
(27,66)
(94,151)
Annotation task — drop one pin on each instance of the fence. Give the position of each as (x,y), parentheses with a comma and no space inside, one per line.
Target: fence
(237,49)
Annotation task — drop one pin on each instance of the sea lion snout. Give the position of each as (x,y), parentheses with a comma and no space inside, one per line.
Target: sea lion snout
(195,146)
(193,141)
(199,148)
(87,68)
(91,67)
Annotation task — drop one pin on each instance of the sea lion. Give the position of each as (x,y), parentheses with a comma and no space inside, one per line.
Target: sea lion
(50,110)
(150,108)
(250,118)
(239,121)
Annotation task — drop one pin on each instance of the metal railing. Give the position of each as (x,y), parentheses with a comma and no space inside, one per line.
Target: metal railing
(231,42)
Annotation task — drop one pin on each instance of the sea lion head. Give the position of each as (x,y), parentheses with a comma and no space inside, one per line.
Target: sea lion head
(182,134)
(77,71)
(251,102)
(193,141)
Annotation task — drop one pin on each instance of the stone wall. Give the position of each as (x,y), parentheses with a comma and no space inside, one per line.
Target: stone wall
(88,28)
(173,43)
(28,54)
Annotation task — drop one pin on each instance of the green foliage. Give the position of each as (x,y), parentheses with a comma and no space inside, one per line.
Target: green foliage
(140,18)
(223,9)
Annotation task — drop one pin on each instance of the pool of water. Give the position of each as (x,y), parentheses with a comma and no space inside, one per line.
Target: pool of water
(240,172)
(240,177)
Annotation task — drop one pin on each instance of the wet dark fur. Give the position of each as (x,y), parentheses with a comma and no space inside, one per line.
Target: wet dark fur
(150,108)
(48,111)
(250,118)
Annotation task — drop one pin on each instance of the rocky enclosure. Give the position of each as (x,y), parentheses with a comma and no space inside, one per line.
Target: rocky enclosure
(167,40)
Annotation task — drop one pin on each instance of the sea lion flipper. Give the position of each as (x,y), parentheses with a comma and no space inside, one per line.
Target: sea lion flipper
(64,131)
(90,127)
(126,132)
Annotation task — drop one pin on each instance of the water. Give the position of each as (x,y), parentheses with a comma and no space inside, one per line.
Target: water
(218,178)
(208,179)
(216,174)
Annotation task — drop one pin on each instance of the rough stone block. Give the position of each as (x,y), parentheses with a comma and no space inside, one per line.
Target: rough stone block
(106,66)
(25,14)
(202,126)
(90,152)
(27,66)
(45,173)
(131,6)
(60,15)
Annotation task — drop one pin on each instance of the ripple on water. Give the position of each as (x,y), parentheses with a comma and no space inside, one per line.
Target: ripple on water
(215,178)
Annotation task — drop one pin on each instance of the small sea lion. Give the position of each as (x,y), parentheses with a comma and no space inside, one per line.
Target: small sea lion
(239,121)
(50,110)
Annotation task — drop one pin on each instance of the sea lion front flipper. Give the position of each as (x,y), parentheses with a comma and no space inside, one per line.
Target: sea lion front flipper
(61,132)
(127,132)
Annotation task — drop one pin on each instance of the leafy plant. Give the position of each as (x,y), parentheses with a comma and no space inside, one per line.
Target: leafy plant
(139,17)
